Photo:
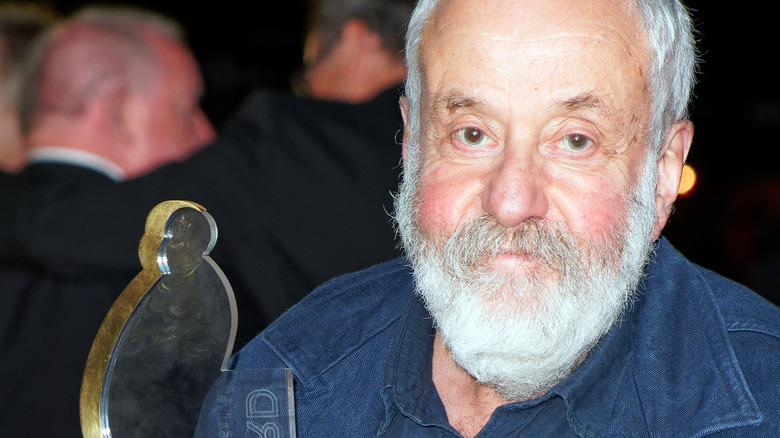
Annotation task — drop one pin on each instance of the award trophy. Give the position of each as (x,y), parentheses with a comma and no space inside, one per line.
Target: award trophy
(169,336)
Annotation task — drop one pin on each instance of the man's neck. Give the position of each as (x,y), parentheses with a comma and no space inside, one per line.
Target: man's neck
(468,403)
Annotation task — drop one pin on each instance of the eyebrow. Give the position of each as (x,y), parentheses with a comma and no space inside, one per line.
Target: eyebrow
(456,100)
(586,100)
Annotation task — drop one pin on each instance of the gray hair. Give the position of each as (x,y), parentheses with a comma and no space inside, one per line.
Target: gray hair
(670,35)
(388,18)
(74,60)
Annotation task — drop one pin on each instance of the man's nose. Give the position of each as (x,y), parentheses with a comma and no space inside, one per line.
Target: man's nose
(516,189)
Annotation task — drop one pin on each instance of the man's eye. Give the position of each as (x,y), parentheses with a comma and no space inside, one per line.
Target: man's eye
(472,136)
(576,142)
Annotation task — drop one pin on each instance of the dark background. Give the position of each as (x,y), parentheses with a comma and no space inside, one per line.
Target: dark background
(728,223)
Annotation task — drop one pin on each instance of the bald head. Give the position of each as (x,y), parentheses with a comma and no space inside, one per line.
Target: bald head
(105,74)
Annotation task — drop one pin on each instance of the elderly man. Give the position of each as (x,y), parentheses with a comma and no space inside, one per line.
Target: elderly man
(543,147)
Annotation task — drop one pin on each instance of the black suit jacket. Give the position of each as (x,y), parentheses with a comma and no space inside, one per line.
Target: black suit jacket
(47,325)
(28,198)
(47,321)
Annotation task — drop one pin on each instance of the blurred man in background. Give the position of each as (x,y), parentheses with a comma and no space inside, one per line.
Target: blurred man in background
(108,94)
(116,91)
(353,49)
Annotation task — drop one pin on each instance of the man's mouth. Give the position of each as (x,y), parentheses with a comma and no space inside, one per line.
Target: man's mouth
(513,258)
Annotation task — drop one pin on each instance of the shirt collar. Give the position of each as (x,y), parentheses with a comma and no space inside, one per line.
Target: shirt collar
(408,380)
(661,367)
(58,154)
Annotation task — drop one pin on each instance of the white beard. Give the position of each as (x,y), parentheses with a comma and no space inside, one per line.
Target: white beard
(522,334)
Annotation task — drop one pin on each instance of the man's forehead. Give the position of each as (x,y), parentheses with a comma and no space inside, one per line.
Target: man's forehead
(531,20)
(588,61)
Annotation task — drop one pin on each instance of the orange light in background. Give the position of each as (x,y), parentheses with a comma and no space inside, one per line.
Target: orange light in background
(687,180)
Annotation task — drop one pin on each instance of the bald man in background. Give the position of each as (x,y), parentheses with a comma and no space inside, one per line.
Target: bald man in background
(109,94)
(116,91)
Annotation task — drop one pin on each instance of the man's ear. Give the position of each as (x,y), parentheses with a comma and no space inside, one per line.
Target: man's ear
(119,113)
(109,113)
(404,104)
(670,164)
(131,135)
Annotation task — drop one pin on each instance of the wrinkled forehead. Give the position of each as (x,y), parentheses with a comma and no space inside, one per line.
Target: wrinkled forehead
(491,32)
(528,19)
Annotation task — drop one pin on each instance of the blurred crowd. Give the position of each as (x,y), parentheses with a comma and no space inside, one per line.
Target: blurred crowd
(101,119)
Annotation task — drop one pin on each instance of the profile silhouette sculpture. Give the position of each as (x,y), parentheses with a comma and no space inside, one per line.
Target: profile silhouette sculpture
(166,338)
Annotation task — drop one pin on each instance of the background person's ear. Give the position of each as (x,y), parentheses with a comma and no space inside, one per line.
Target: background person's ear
(670,165)
(130,128)
(112,103)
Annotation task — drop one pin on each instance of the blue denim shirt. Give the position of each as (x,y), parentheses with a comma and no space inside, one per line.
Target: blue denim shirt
(697,355)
